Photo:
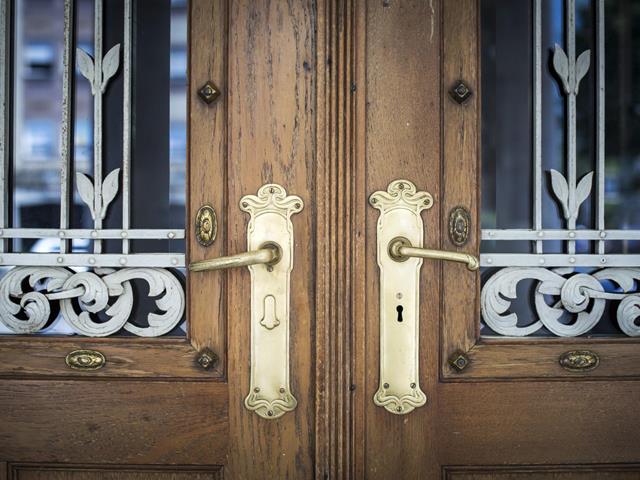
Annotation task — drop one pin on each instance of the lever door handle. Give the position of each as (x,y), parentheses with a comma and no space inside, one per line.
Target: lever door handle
(400,250)
(270,262)
(269,254)
(399,232)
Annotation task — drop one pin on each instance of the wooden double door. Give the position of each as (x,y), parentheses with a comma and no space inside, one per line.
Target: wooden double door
(333,101)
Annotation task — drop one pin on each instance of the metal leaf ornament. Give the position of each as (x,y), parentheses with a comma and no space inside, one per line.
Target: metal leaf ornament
(561,190)
(110,66)
(109,190)
(86,67)
(86,191)
(570,83)
(561,66)
(583,189)
(582,67)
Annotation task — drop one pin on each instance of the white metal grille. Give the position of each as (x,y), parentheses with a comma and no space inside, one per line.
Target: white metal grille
(93,290)
(567,284)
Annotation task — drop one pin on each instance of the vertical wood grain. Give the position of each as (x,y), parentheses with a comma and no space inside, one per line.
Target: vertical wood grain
(461,180)
(271,139)
(402,141)
(207,171)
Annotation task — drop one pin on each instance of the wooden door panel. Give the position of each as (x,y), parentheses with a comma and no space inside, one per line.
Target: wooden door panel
(47,472)
(537,422)
(153,402)
(402,89)
(114,422)
(575,472)
(271,140)
(513,404)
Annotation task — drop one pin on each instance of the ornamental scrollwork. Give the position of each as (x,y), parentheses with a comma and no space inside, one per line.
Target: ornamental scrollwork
(94,303)
(566,302)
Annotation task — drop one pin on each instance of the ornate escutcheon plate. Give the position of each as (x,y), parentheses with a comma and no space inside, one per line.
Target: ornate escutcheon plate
(400,206)
(270,394)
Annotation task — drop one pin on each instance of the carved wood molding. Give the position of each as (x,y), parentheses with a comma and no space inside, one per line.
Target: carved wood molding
(339,200)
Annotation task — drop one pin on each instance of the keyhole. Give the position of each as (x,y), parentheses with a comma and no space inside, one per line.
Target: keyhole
(399,309)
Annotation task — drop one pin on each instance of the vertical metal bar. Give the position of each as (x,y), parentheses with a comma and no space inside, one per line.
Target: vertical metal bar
(5,111)
(126,122)
(600,106)
(66,130)
(97,120)
(571,112)
(537,119)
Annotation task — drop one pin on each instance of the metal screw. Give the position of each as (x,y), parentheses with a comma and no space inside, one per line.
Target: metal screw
(413,385)
(206,358)
(282,390)
(398,408)
(459,361)
(386,385)
(209,92)
(270,413)
(297,205)
(256,390)
(460,92)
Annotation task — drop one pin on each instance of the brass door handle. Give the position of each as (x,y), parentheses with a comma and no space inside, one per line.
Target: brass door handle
(269,258)
(268,254)
(400,249)
(400,231)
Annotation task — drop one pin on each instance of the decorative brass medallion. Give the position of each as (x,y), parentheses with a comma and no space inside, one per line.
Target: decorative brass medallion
(85,360)
(206,225)
(459,224)
(209,92)
(579,361)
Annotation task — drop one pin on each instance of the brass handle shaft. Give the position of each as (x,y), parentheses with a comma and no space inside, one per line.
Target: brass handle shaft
(269,254)
(400,249)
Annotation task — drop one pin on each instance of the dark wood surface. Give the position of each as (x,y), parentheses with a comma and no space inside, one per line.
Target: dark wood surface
(91,472)
(114,422)
(333,100)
